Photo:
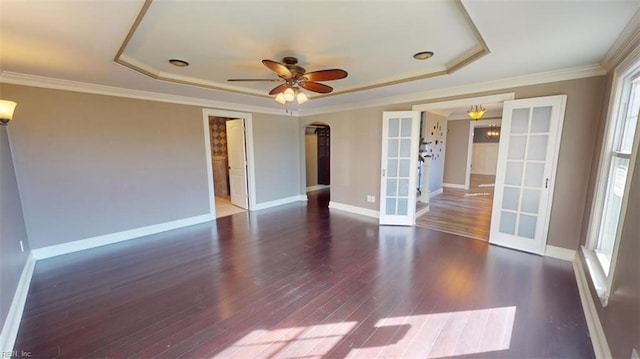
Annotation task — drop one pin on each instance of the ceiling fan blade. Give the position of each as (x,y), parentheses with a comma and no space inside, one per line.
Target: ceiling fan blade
(278,89)
(280,69)
(263,80)
(316,87)
(325,75)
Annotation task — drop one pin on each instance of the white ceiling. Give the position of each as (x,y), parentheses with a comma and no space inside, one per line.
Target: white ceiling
(75,43)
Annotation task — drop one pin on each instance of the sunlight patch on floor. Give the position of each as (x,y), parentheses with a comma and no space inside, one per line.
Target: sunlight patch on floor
(426,336)
(442,334)
(311,341)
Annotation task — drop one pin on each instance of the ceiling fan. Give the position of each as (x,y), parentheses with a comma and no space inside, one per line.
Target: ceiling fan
(295,77)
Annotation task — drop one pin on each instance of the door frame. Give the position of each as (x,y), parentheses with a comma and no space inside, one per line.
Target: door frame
(472,127)
(303,160)
(248,136)
(468,101)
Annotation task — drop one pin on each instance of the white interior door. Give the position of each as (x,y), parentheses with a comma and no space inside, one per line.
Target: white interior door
(527,160)
(399,167)
(237,163)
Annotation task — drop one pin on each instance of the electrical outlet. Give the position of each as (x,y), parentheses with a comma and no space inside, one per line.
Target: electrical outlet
(371,198)
(21,247)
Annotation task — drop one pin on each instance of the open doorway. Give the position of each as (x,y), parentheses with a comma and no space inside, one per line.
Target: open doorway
(462,165)
(317,139)
(245,136)
(228,156)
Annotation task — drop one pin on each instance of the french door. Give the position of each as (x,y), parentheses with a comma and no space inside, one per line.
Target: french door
(399,167)
(527,161)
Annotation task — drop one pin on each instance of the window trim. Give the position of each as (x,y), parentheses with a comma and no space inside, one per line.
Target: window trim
(625,72)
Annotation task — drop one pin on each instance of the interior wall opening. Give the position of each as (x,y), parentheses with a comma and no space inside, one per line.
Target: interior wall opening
(221,145)
(317,139)
(459,160)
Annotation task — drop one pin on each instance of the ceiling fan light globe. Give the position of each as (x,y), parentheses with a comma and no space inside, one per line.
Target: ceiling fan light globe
(301,98)
(289,95)
(280,99)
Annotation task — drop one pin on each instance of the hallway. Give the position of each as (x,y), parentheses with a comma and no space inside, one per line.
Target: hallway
(466,213)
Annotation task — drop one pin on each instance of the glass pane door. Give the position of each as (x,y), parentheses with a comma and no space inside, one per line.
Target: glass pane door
(526,167)
(399,167)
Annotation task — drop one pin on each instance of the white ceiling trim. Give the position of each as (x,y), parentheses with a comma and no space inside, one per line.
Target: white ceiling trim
(533,79)
(628,40)
(59,84)
(526,80)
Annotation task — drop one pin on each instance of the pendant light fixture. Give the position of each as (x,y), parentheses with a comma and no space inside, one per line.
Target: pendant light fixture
(476,112)
(493,132)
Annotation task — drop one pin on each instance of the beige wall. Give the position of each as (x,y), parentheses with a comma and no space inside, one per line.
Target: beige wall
(277,157)
(457,146)
(311,159)
(12,228)
(91,165)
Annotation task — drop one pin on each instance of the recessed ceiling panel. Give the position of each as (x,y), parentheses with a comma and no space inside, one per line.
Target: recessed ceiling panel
(224,40)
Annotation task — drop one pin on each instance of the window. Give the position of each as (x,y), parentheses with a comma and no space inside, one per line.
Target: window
(619,158)
(616,167)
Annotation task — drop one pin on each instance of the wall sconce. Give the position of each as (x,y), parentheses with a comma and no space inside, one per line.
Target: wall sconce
(6,111)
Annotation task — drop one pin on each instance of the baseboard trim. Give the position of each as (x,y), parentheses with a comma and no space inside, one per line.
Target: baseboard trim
(279,202)
(560,253)
(454,185)
(318,187)
(436,192)
(354,209)
(422,211)
(598,338)
(88,243)
(11,324)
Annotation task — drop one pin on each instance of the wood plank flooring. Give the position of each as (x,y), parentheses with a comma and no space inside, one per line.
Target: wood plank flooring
(462,212)
(300,281)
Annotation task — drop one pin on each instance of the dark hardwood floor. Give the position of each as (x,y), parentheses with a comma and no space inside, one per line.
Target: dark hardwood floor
(300,281)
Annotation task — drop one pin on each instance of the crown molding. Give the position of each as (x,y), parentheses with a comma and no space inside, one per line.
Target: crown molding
(628,40)
(532,79)
(503,84)
(75,86)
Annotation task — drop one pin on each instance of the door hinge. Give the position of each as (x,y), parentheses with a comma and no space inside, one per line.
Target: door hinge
(546,183)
